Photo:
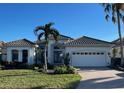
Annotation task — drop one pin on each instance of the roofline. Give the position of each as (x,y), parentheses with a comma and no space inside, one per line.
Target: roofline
(89,45)
(98,39)
(21,39)
(32,43)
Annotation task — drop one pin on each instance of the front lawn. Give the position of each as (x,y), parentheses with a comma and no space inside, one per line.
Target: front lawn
(32,79)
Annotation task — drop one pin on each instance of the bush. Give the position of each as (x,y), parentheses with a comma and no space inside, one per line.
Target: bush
(71,70)
(64,70)
(60,70)
(115,62)
(1,67)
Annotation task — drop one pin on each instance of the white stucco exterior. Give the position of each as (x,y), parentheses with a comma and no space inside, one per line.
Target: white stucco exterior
(94,60)
(31,53)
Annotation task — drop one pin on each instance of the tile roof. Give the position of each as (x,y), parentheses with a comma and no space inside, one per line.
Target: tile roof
(87,41)
(117,41)
(20,43)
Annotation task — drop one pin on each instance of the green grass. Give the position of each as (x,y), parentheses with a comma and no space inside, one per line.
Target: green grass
(16,79)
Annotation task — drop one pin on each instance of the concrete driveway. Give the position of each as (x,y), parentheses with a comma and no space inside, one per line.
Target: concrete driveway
(100,78)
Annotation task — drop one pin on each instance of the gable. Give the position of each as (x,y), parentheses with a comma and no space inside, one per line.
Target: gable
(87,41)
(20,43)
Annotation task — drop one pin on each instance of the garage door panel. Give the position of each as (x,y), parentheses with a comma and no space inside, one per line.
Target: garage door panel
(88,59)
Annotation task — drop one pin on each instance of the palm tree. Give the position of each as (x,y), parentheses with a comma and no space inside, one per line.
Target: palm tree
(46,30)
(116,11)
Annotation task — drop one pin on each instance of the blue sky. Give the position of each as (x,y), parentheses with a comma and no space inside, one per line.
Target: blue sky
(17,21)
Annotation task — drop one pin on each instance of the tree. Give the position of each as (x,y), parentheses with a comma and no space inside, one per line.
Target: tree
(116,11)
(46,30)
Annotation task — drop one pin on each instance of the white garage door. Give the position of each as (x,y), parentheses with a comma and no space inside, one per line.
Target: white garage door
(88,59)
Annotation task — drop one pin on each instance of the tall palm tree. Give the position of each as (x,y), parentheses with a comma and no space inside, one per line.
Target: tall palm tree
(116,11)
(46,30)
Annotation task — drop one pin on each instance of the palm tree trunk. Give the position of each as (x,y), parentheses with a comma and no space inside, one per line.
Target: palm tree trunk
(120,37)
(45,58)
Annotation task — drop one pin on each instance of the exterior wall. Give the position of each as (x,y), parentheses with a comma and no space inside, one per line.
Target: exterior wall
(106,50)
(31,53)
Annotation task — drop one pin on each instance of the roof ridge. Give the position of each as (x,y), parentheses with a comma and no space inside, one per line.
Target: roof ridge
(96,39)
(20,42)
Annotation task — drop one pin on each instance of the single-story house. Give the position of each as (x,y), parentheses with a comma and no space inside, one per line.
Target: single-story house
(84,51)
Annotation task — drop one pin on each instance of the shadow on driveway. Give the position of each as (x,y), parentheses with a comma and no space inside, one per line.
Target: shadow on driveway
(104,78)
(91,84)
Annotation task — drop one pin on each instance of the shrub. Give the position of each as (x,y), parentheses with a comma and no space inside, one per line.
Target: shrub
(60,70)
(1,67)
(64,70)
(115,62)
(71,70)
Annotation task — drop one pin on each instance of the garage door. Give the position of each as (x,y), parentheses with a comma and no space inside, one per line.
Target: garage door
(88,59)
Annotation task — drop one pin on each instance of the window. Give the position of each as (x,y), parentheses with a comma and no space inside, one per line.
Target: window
(108,53)
(86,53)
(90,53)
(56,47)
(14,55)
(73,53)
(102,53)
(78,53)
(25,56)
(82,53)
(98,53)
(57,57)
(94,53)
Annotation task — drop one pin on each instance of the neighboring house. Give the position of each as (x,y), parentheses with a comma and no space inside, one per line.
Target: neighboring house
(1,47)
(116,48)
(84,51)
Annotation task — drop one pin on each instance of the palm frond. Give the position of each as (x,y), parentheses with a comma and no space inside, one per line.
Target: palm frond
(107,8)
(49,25)
(107,17)
(40,35)
(114,19)
(123,19)
(55,33)
(38,28)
